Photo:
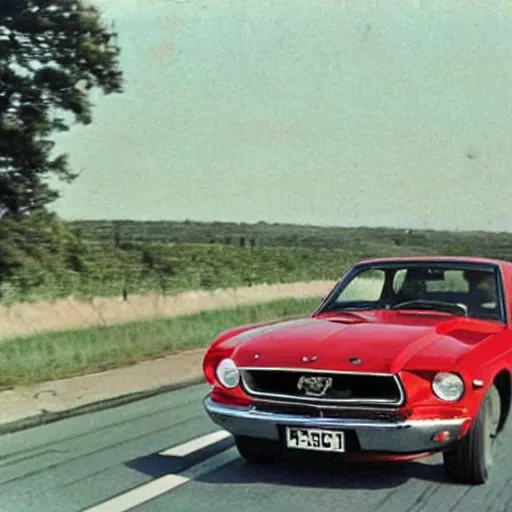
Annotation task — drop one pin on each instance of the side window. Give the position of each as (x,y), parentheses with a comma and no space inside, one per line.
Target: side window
(398,280)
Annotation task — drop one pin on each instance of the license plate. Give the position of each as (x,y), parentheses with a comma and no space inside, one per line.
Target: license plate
(315,439)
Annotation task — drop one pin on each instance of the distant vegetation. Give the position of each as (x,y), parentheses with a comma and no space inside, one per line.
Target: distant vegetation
(88,270)
(103,258)
(360,240)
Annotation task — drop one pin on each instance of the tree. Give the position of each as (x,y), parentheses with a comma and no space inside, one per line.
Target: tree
(52,53)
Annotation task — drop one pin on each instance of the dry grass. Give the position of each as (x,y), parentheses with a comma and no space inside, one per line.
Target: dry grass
(27,319)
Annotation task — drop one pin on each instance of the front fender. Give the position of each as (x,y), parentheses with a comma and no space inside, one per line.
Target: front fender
(493,376)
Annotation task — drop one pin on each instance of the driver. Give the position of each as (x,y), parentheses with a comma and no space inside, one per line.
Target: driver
(412,289)
(482,286)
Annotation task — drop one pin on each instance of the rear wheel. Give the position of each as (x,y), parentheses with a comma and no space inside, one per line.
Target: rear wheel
(470,461)
(258,451)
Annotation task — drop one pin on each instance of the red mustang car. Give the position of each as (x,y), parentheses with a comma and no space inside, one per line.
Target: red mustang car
(405,357)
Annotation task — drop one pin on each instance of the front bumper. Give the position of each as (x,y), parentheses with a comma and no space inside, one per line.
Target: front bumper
(410,436)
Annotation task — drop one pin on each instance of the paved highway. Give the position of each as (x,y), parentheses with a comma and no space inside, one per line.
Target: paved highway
(164,454)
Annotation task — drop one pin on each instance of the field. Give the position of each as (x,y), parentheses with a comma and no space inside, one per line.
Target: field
(101,270)
(104,258)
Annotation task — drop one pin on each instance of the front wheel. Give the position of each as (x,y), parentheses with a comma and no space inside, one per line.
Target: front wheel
(471,459)
(258,451)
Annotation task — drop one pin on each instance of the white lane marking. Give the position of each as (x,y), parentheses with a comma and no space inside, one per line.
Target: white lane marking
(140,494)
(196,444)
(162,485)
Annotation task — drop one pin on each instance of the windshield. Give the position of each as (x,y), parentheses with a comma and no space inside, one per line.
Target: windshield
(473,291)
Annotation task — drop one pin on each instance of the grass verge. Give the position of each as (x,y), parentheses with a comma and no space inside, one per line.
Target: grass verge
(65,354)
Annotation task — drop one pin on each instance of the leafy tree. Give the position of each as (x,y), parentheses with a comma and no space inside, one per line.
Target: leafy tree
(52,53)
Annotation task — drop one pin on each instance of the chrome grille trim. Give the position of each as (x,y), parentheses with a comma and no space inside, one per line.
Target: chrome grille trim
(328,410)
(312,400)
(270,401)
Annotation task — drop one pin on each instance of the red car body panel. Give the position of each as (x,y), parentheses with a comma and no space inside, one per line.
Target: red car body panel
(412,344)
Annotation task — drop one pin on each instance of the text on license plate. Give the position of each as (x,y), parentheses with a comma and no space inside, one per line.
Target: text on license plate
(315,439)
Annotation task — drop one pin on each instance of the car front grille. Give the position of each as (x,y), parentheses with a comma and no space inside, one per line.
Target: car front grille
(323,387)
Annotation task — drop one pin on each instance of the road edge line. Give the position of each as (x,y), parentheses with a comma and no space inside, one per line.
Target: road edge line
(45,418)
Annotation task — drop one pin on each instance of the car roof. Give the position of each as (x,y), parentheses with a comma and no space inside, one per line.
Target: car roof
(440,259)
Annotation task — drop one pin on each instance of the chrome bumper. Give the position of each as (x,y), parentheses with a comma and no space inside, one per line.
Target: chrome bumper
(413,436)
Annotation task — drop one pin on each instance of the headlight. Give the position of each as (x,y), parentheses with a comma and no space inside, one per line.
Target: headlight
(228,373)
(448,386)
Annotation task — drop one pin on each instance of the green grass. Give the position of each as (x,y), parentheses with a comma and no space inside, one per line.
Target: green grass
(59,355)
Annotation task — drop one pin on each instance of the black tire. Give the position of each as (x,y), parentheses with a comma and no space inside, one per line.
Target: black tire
(258,451)
(470,461)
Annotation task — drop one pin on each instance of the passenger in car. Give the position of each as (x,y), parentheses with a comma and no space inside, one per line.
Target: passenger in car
(482,289)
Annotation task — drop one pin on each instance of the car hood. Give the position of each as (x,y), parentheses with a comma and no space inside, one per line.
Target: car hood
(383,342)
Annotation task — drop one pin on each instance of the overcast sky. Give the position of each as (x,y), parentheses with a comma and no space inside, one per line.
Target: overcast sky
(332,112)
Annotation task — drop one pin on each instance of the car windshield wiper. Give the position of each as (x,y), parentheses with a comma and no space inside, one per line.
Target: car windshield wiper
(450,307)
(363,306)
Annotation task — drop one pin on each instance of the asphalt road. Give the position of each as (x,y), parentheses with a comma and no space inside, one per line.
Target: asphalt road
(153,455)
